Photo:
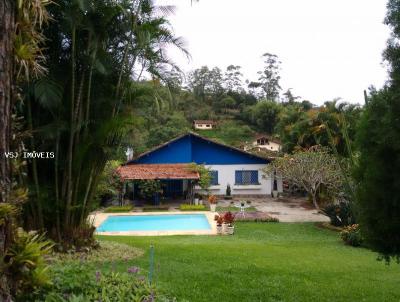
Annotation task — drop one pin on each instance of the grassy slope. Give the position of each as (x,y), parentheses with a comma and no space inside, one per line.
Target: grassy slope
(268,262)
(233,137)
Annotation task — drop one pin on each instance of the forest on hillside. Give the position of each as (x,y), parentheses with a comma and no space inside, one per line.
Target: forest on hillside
(241,108)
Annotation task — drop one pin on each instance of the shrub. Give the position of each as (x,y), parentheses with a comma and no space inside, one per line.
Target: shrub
(262,219)
(24,263)
(148,188)
(78,238)
(192,207)
(339,214)
(351,235)
(76,282)
(109,184)
(119,209)
(155,209)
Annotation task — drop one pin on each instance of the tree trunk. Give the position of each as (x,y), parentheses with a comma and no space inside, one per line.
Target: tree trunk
(314,200)
(7,29)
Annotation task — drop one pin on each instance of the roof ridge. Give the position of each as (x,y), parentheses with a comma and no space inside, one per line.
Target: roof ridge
(199,136)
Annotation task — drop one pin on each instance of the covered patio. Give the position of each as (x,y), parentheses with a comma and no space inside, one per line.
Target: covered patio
(177,180)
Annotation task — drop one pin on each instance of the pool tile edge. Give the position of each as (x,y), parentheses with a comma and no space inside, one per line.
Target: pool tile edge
(98,218)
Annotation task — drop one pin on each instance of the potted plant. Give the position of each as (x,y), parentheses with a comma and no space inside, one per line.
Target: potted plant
(220,221)
(229,218)
(212,199)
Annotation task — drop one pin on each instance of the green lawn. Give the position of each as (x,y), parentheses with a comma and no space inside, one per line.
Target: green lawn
(268,262)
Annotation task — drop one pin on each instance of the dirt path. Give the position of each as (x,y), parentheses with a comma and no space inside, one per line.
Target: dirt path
(286,209)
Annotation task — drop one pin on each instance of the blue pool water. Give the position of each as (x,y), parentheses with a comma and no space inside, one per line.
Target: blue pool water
(184,222)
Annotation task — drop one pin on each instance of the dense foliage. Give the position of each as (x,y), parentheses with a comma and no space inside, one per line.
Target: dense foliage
(378,141)
(378,172)
(82,110)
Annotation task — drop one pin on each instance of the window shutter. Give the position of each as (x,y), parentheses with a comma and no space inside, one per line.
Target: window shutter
(238,177)
(214,177)
(254,177)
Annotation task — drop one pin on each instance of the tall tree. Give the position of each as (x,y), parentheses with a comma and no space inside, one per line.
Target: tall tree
(206,83)
(310,170)
(97,50)
(378,137)
(233,79)
(269,77)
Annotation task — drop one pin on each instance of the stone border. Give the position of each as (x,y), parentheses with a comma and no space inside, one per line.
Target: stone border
(98,218)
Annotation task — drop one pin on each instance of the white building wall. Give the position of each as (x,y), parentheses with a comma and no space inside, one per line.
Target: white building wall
(203,126)
(226,175)
(269,146)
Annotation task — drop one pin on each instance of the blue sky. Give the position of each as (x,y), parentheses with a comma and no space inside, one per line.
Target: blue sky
(328,48)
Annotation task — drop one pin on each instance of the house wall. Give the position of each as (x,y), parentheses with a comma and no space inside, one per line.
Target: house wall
(269,146)
(203,126)
(226,175)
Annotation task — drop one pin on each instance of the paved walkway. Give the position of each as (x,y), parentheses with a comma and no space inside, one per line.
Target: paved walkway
(286,209)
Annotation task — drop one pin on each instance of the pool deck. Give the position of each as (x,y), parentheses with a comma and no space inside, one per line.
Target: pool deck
(98,218)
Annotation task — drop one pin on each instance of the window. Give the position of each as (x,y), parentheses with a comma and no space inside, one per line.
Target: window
(246,177)
(214,177)
(208,126)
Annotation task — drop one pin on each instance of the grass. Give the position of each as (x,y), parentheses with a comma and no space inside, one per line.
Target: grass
(267,262)
(119,209)
(235,209)
(192,207)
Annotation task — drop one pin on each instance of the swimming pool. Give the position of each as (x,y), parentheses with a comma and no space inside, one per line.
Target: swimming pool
(173,222)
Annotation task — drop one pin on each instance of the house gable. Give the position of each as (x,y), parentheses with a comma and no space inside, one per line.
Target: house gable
(194,148)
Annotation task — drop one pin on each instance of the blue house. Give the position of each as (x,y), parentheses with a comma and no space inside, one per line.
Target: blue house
(169,162)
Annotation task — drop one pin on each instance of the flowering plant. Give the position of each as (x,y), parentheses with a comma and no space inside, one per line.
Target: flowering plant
(229,218)
(351,235)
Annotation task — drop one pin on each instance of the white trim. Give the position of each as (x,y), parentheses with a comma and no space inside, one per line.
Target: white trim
(247,187)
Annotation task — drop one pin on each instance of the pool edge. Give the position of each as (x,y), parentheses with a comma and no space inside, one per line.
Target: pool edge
(98,218)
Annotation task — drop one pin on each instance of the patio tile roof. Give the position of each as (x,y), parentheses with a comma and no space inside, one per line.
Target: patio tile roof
(156,171)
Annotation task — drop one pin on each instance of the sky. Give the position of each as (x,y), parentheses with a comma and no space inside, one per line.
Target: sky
(328,48)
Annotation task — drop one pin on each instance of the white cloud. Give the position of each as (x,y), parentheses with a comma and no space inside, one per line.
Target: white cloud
(328,48)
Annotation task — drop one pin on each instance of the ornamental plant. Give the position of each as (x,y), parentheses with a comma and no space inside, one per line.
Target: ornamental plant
(212,199)
(229,218)
(220,221)
(351,235)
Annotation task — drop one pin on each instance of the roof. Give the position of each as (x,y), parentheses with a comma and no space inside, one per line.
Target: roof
(270,138)
(157,171)
(204,122)
(133,161)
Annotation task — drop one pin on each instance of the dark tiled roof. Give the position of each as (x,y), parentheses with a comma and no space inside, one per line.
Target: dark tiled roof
(204,122)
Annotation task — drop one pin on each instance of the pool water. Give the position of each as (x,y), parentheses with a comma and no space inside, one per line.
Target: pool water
(184,222)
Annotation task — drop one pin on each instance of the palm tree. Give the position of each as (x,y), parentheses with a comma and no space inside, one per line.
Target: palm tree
(83,109)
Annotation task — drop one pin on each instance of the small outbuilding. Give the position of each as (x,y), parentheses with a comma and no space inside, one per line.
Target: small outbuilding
(267,142)
(203,124)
